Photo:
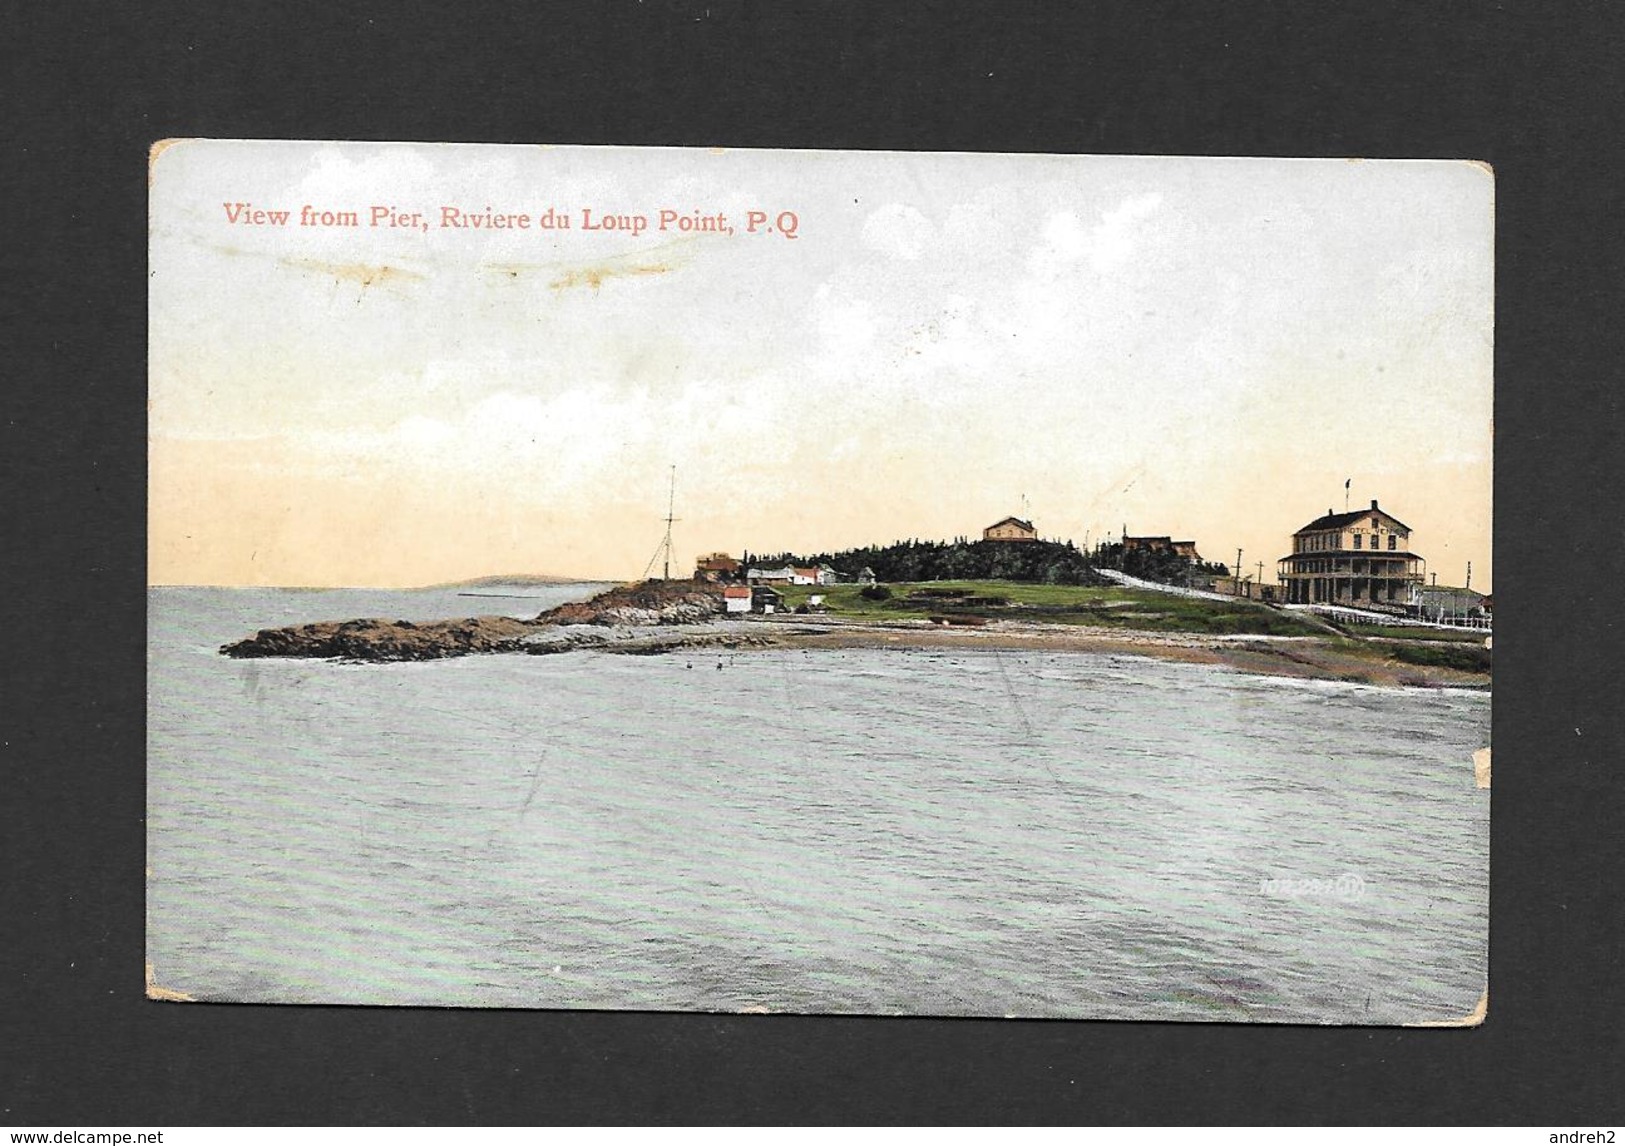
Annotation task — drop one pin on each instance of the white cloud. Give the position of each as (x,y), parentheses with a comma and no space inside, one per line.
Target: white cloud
(1114,240)
(898,230)
(1106,246)
(847,327)
(586,442)
(344,178)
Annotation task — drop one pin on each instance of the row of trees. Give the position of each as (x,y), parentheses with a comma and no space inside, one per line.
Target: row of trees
(1162,565)
(1046,562)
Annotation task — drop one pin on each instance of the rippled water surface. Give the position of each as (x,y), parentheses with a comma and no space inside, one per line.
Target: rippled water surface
(878,831)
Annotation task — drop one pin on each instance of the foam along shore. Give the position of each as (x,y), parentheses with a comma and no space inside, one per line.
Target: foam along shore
(664,617)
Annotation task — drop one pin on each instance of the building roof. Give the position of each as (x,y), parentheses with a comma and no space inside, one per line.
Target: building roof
(1452,591)
(1332,520)
(1310,555)
(1136,540)
(1013,521)
(736,591)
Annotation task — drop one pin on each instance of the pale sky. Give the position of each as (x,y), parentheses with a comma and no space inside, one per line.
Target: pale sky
(1205,348)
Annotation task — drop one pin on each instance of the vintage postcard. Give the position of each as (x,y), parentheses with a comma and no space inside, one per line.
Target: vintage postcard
(792,581)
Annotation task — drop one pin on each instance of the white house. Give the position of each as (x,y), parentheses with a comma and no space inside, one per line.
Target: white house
(784,575)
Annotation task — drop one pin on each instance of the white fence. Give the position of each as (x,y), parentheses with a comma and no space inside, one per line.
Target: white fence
(1342,612)
(1346,613)
(1128,582)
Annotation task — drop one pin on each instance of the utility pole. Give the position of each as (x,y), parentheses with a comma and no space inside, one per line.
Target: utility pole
(1238,564)
(1469,584)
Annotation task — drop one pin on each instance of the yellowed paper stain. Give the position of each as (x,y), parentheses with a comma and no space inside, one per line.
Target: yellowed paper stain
(164,994)
(358,273)
(594,276)
(1472,1018)
(157,149)
(1481,767)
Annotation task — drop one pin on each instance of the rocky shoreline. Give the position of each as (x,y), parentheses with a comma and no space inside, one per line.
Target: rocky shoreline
(667,617)
(624,619)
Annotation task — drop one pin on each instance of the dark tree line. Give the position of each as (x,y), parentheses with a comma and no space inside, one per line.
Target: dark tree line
(1042,562)
(1045,562)
(1163,565)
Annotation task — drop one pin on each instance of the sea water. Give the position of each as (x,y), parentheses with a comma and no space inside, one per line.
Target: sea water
(883,831)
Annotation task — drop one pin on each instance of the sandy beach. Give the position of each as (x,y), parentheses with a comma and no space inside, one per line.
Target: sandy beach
(1305,657)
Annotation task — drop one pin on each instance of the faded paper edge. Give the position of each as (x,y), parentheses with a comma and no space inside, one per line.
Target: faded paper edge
(1473,1018)
(163,994)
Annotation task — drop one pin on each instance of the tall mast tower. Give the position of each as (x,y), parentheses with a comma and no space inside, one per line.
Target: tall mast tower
(665,547)
(671,503)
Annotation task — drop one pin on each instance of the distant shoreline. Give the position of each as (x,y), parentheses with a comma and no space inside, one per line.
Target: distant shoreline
(535,581)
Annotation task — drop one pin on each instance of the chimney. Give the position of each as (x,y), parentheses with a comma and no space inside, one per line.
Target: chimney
(1373,503)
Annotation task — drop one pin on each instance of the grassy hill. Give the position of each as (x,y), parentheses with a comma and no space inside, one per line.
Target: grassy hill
(1102,606)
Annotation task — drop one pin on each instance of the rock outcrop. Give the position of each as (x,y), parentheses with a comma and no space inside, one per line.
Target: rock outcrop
(377,640)
(651,603)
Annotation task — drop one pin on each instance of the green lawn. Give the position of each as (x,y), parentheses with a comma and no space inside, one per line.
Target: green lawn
(1417,633)
(1465,658)
(1106,606)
